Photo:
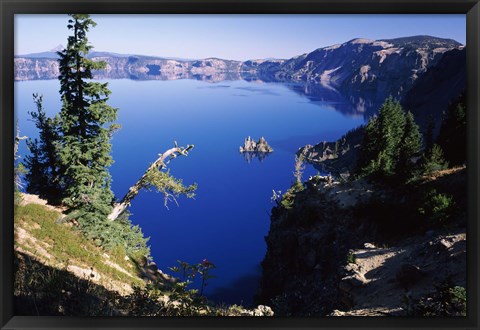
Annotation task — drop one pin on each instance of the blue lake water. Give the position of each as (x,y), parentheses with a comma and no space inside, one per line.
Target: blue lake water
(229,217)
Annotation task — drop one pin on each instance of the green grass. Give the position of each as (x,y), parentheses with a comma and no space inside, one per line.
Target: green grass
(41,285)
(68,246)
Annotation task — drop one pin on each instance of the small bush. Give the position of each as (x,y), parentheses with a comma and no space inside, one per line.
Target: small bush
(351,259)
(437,208)
(289,196)
(447,300)
(113,234)
(434,160)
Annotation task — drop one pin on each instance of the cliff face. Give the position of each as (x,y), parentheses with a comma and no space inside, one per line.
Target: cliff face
(35,68)
(354,248)
(134,67)
(428,99)
(381,68)
(374,68)
(435,90)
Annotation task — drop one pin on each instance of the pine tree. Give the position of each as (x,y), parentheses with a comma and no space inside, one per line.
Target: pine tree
(434,160)
(42,163)
(391,123)
(410,147)
(368,150)
(85,126)
(384,134)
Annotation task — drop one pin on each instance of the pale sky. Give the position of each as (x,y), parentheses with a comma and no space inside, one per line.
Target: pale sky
(236,37)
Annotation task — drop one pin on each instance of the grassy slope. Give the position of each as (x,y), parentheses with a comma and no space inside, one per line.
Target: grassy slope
(60,246)
(60,272)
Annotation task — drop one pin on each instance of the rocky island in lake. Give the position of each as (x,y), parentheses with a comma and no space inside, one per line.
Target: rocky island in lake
(251,146)
(252,149)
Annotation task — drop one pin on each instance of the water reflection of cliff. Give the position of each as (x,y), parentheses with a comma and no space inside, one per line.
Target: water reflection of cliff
(355,105)
(212,77)
(317,93)
(211,71)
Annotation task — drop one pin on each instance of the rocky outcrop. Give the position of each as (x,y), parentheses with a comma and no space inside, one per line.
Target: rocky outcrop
(260,147)
(252,149)
(355,248)
(339,157)
(306,247)
(385,281)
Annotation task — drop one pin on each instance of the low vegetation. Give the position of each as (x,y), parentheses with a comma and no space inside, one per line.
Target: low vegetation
(447,300)
(59,271)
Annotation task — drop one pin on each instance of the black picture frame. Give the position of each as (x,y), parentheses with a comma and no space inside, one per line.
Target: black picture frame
(11,7)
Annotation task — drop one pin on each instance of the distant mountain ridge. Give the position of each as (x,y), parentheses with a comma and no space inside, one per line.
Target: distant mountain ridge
(383,67)
(362,71)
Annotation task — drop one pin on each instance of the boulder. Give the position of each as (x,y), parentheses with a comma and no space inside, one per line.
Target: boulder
(409,274)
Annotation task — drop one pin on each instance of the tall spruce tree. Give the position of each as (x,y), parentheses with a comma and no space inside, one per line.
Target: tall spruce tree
(42,163)
(369,150)
(391,123)
(85,126)
(383,137)
(409,148)
(391,140)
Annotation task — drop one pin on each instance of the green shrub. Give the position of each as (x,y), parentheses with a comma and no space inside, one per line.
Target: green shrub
(436,207)
(434,160)
(351,259)
(112,234)
(446,300)
(289,196)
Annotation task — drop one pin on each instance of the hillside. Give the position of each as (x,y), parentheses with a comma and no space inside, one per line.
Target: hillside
(60,272)
(361,66)
(360,248)
(428,99)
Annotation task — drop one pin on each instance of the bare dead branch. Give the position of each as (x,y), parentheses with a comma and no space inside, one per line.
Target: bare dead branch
(161,162)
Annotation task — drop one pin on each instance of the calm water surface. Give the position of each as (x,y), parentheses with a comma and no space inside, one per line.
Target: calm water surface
(229,217)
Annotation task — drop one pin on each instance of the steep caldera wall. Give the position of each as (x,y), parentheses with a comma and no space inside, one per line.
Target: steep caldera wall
(365,70)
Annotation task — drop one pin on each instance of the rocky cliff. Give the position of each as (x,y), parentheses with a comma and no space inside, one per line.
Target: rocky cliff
(378,67)
(356,248)
(366,71)
(435,90)
(428,99)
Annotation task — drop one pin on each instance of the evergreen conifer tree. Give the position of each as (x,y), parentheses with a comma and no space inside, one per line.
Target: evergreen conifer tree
(85,126)
(391,123)
(434,160)
(383,137)
(410,147)
(369,151)
(42,163)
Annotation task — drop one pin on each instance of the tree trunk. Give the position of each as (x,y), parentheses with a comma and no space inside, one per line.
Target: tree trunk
(18,138)
(160,163)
